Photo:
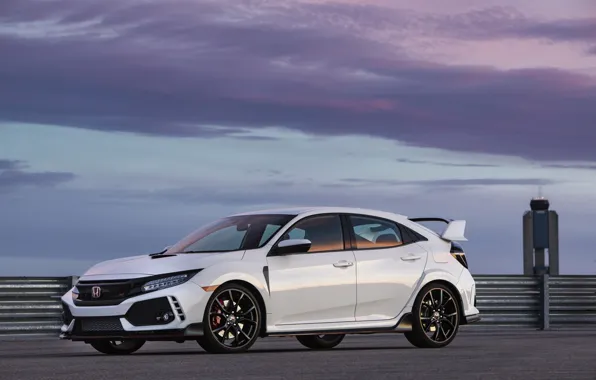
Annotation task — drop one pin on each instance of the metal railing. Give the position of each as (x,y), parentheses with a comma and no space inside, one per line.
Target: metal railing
(31,305)
(512,301)
(572,300)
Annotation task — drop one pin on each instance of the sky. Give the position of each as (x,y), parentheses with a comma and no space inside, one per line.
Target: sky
(127,124)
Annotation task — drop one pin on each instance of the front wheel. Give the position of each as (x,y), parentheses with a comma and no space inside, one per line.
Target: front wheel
(232,320)
(320,342)
(117,347)
(435,317)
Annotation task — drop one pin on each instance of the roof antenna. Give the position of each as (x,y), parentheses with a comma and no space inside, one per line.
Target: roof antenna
(540,191)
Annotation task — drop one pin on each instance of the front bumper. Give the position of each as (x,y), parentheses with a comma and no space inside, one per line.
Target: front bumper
(190,332)
(174,313)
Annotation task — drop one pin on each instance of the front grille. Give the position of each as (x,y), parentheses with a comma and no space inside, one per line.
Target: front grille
(103,324)
(111,292)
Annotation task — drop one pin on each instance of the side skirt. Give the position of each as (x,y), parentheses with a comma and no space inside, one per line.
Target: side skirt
(469,319)
(404,325)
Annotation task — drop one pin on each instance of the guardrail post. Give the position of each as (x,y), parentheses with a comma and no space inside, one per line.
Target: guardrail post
(73,280)
(544,302)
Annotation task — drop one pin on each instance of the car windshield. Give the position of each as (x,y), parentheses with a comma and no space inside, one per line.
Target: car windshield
(232,234)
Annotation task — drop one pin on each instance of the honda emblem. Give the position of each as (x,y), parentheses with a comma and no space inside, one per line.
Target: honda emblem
(96,292)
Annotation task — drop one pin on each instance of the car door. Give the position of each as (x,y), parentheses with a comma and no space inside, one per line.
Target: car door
(388,267)
(318,286)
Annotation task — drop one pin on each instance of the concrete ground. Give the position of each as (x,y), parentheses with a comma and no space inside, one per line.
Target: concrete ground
(519,355)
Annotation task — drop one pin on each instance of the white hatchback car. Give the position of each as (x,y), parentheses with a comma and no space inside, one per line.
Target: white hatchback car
(314,273)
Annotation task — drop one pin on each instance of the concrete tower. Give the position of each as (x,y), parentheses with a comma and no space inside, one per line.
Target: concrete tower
(541,233)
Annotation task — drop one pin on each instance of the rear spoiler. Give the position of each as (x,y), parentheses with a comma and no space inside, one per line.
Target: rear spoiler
(454,231)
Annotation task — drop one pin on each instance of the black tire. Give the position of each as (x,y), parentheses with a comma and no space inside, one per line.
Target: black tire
(428,313)
(320,342)
(124,347)
(242,322)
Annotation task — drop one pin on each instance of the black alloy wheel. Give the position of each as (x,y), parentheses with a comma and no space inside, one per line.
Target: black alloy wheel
(232,320)
(436,317)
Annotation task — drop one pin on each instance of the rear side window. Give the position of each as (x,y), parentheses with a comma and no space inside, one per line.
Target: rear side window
(371,232)
(411,236)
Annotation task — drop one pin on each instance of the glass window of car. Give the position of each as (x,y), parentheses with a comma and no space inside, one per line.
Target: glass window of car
(371,232)
(324,232)
(270,230)
(232,233)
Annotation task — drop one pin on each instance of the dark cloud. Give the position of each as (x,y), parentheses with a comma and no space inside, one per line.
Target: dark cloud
(489,182)
(455,182)
(173,68)
(571,166)
(505,22)
(13,176)
(12,164)
(562,30)
(448,164)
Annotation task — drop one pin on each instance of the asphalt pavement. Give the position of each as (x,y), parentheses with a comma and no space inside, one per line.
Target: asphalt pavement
(522,355)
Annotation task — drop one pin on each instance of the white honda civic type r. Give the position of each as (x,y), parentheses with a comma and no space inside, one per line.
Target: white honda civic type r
(314,273)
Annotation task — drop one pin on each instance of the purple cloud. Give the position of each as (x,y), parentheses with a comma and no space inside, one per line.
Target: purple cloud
(175,68)
(453,182)
(571,166)
(12,164)
(500,22)
(12,176)
(448,164)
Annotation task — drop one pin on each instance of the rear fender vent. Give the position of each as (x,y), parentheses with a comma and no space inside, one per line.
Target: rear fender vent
(177,308)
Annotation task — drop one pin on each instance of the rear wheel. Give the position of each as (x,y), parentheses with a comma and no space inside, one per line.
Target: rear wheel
(435,317)
(320,342)
(232,320)
(117,347)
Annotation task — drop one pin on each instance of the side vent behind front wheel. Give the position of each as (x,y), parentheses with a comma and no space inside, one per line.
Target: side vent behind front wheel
(458,253)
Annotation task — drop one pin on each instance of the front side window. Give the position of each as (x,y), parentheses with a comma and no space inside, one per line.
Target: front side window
(373,232)
(232,234)
(324,232)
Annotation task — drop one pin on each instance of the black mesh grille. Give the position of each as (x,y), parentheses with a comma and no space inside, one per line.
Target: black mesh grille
(155,311)
(105,324)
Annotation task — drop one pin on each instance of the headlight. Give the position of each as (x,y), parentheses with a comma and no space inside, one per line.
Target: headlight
(168,282)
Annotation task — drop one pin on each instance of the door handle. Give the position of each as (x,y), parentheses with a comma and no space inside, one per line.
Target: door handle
(343,264)
(411,258)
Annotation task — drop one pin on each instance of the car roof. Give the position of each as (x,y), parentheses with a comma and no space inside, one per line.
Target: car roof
(325,209)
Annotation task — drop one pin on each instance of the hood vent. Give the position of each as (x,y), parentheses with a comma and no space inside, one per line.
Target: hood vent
(159,256)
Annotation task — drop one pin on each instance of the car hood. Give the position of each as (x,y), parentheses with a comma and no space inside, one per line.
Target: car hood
(140,266)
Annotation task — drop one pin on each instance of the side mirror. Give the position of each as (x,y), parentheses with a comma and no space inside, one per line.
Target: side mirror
(290,246)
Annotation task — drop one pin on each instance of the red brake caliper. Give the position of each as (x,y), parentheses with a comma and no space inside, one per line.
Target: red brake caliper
(215,322)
